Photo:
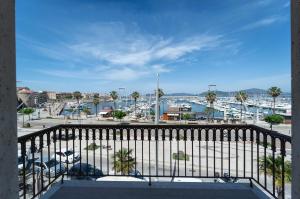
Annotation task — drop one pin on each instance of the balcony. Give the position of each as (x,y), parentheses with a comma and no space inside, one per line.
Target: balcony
(161,161)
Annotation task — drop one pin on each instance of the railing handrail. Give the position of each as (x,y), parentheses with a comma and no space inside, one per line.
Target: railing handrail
(268,132)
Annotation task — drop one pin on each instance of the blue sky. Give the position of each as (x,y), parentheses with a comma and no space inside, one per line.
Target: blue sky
(87,45)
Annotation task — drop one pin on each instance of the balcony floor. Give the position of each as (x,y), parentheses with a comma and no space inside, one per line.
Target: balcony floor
(158,190)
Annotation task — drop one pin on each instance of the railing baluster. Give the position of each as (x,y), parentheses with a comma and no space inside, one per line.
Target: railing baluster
(94,148)
(107,153)
(33,149)
(236,152)
(177,157)
(121,140)
(229,140)
(135,138)
(283,153)
(199,140)
(163,151)
(41,154)
(251,140)
(244,143)
(156,151)
(142,140)
(206,139)
(87,151)
(73,145)
(114,139)
(101,147)
(185,156)
(23,171)
(265,160)
(257,154)
(221,140)
(170,139)
(67,147)
(80,160)
(214,153)
(192,140)
(149,142)
(48,147)
(273,164)
(128,139)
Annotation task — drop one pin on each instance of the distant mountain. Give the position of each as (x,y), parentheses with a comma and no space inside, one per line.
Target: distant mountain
(180,94)
(252,92)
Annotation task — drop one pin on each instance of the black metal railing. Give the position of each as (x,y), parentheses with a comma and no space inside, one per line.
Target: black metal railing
(225,153)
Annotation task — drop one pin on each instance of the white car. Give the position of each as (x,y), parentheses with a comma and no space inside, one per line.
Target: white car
(67,156)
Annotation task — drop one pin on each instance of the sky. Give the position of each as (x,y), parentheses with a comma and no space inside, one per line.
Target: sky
(99,46)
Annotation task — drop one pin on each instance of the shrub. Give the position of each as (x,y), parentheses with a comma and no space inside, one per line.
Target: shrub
(181,156)
(274,119)
(119,114)
(92,146)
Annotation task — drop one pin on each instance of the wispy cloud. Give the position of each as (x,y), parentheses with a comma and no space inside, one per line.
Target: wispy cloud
(287,4)
(120,54)
(263,22)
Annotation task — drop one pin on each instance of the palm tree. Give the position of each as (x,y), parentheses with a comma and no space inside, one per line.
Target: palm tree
(123,161)
(241,97)
(77,95)
(114,96)
(277,165)
(135,95)
(96,102)
(211,98)
(27,111)
(274,92)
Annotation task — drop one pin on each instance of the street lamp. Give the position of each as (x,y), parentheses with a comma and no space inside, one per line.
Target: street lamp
(157,101)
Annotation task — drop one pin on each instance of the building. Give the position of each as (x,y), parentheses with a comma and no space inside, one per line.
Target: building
(52,95)
(176,113)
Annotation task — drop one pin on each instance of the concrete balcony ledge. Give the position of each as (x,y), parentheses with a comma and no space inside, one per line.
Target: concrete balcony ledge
(75,189)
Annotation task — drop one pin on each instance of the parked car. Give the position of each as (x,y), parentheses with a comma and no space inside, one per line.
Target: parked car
(26,161)
(136,174)
(64,136)
(48,166)
(66,156)
(84,171)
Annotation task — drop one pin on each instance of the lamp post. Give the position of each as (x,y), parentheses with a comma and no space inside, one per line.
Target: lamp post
(157,101)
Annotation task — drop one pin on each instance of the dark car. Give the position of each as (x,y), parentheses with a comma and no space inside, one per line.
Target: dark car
(64,136)
(136,174)
(84,171)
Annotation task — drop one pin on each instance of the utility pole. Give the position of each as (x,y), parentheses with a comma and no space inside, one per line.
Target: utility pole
(157,102)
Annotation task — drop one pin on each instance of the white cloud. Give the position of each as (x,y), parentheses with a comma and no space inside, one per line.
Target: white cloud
(287,4)
(118,52)
(263,22)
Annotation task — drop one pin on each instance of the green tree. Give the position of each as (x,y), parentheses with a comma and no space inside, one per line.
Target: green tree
(114,96)
(135,95)
(208,112)
(186,116)
(241,97)
(77,95)
(86,111)
(96,102)
(211,98)
(274,92)
(119,114)
(123,161)
(277,164)
(273,119)
(27,111)
(160,93)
